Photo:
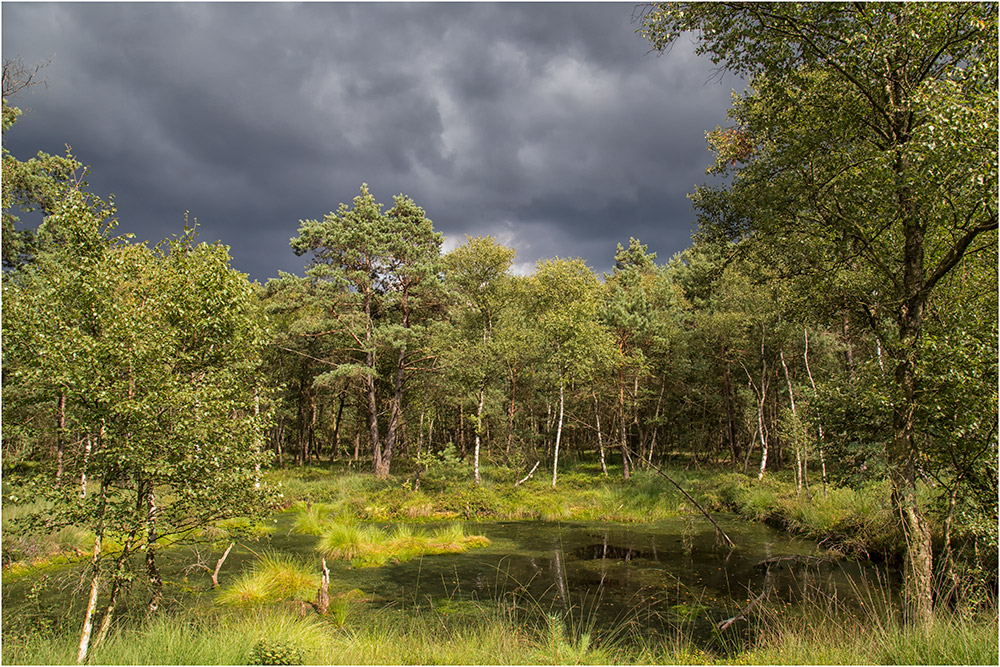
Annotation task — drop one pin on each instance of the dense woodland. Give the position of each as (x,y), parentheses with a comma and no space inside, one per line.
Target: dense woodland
(836,315)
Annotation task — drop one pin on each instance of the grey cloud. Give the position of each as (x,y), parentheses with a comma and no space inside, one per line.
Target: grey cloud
(548,125)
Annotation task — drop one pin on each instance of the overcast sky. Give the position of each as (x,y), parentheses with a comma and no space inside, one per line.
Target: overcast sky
(549,126)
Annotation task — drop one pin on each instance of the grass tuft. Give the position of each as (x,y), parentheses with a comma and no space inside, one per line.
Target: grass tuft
(276,576)
(372,546)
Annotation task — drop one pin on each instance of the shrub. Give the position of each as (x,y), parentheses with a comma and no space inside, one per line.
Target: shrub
(270,652)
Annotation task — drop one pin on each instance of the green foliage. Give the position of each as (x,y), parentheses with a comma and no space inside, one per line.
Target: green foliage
(863,154)
(39,184)
(443,468)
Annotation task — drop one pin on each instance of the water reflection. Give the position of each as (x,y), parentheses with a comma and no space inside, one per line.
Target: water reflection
(656,576)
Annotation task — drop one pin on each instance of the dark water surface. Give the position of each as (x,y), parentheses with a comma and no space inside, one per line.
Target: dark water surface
(606,579)
(652,577)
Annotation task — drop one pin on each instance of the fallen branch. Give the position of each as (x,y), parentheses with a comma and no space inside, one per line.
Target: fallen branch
(528,475)
(708,516)
(743,612)
(800,558)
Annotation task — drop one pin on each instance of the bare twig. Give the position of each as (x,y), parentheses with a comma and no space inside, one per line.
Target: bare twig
(528,476)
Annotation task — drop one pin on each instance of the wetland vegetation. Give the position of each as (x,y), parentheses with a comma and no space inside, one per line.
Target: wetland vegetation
(778,446)
(537,585)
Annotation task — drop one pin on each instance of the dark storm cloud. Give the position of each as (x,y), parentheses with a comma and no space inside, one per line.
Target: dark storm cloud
(547,125)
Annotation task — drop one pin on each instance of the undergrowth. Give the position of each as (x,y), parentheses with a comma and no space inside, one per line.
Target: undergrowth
(491,634)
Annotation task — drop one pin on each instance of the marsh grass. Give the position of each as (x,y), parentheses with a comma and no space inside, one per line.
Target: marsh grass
(24,549)
(310,518)
(581,495)
(819,638)
(856,520)
(275,576)
(262,604)
(474,632)
(366,545)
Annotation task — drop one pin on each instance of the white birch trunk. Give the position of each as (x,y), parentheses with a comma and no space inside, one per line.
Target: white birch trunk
(819,426)
(479,428)
(88,619)
(799,470)
(555,458)
(83,474)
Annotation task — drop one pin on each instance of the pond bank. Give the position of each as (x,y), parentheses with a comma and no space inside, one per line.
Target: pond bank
(858,523)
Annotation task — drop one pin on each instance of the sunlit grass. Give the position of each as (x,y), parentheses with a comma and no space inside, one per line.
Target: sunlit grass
(275,576)
(473,632)
(311,519)
(843,639)
(366,545)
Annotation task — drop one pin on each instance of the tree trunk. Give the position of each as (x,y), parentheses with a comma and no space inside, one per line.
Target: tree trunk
(218,565)
(635,420)
(323,595)
(799,472)
(83,468)
(656,422)
(395,411)
(819,425)
(946,550)
(152,571)
(95,579)
(313,447)
(848,346)
(88,618)
(904,449)
(763,434)
(919,566)
(373,436)
(730,416)
(461,430)
(626,472)
(60,436)
(281,438)
(555,457)
(479,428)
(760,407)
(300,420)
(336,426)
(510,409)
(259,440)
(116,584)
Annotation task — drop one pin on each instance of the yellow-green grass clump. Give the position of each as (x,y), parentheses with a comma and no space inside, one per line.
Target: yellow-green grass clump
(311,518)
(274,577)
(372,546)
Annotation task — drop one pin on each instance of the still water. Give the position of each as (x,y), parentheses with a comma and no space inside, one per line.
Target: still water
(653,577)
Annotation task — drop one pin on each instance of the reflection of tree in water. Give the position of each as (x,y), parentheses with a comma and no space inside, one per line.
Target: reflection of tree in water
(559,574)
(622,579)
